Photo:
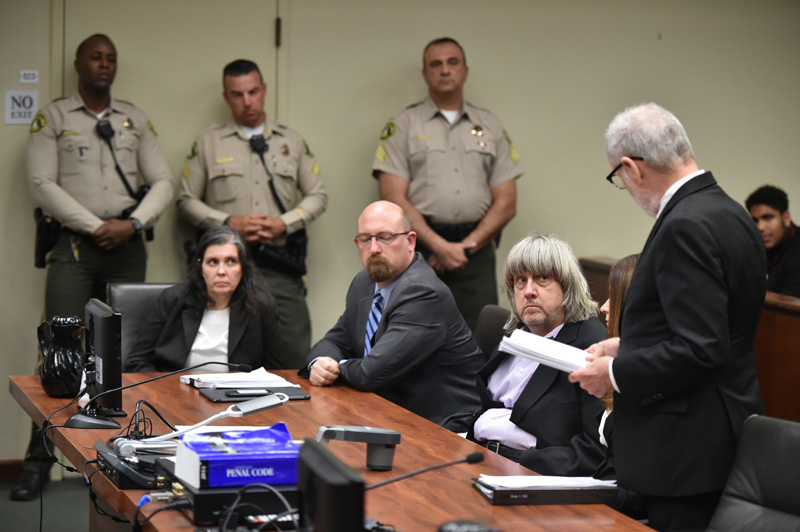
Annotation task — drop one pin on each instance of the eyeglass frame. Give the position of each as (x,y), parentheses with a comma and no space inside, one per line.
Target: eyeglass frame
(364,243)
(610,177)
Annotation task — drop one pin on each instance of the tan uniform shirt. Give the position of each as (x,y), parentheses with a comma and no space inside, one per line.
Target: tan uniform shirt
(450,169)
(224,177)
(71,170)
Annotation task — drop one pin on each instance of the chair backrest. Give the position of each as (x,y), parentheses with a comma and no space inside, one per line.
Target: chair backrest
(135,301)
(762,490)
(489,328)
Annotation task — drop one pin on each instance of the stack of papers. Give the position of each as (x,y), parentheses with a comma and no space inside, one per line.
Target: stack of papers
(536,489)
(544,351)
(259,378)
(544,481)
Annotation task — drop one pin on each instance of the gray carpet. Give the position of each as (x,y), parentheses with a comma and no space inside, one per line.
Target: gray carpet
(65,508)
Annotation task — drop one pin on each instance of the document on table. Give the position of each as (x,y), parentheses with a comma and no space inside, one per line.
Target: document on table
(258,378)
(544,481)
(544,351)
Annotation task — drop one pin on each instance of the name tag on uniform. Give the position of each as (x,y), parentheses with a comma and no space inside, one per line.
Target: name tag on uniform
(224,160)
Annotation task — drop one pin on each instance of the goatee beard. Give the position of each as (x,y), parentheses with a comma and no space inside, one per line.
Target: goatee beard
(378,269)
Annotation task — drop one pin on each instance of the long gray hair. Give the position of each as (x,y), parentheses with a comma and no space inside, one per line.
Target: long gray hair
(551,256)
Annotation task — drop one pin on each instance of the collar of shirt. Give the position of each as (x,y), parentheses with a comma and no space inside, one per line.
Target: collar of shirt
(250,132)
(674,188)
(386,291)
(433,110)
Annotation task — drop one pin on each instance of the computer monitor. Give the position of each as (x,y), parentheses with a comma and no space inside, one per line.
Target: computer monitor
(330,494)
(103,368)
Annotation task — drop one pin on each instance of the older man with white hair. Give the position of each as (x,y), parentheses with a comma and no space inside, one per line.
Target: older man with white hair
(683,370)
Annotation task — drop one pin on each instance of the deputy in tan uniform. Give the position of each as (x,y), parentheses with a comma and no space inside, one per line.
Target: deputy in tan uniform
(225,180)
(72,175)
(452,168)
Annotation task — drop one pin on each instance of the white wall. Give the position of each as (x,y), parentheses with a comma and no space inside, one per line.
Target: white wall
(554,72)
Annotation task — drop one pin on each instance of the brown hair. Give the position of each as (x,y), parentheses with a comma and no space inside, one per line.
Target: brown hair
(619,279)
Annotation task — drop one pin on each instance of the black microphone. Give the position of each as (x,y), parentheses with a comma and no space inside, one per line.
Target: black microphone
(473,458)
(85,419)
(259,144)
(105,130)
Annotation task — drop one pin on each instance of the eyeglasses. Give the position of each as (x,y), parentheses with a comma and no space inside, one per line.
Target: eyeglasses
(616,180)
(385,238)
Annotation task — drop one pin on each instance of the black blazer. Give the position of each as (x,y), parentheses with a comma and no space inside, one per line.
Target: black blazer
(686,367)
(784,274)
(423,358)
(562,416)
(168,334)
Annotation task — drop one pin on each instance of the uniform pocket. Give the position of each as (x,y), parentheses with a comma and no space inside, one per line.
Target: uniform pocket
(225,181)
(73,153)
(480,151)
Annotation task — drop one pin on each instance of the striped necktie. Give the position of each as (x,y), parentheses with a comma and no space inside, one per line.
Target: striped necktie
(373,321)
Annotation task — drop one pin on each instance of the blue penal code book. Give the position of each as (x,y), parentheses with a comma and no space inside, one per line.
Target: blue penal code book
(237,458)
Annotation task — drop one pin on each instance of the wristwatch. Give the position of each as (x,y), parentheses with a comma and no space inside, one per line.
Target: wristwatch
(137,225)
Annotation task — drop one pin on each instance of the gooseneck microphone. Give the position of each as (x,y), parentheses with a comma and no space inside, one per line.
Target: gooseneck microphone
(85,419)
(473,458)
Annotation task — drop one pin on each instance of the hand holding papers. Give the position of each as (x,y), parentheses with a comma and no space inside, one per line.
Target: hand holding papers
(544,351)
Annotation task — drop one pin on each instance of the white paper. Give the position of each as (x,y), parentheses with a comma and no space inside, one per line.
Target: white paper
(544,481)
(258,378)
(544,351)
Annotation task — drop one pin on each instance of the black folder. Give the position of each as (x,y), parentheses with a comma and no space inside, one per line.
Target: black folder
(545,495)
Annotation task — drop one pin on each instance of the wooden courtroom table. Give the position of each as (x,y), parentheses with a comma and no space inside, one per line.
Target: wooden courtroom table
(417,504)
(777,343)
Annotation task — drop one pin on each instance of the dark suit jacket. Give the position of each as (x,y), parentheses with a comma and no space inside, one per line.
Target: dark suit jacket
(423,359)
(167,337)
(784,274)
(562,416)
(686,366)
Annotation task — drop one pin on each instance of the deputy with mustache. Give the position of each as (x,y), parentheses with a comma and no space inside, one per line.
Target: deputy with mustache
(401,335)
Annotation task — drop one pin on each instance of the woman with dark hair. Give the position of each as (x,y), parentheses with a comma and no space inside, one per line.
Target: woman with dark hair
(619,279)
(224,313)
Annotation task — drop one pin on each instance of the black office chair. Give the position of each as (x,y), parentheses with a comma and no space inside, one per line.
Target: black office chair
(135,301)
(762,492)
(489,328)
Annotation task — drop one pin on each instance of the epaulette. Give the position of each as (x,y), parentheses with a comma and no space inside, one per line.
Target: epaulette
(415,104)
(478,108)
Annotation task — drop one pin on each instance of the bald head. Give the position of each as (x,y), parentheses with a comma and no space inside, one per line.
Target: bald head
(388,212)
(385,241)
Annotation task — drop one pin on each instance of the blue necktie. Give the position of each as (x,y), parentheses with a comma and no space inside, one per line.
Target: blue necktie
(373,321)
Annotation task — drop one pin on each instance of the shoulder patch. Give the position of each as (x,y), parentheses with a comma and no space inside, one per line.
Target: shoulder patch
(306,149)
(315,169)
(508,139)
(39,123)
(151,128)
(388,130)
(192,152)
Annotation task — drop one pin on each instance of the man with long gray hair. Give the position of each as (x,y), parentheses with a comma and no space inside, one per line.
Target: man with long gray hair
(531,413)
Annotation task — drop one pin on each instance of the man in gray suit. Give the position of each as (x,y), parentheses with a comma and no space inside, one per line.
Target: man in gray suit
(401,335)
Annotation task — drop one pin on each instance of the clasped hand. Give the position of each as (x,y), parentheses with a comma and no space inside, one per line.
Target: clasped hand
(113,233)
(258,228)
(450,256)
